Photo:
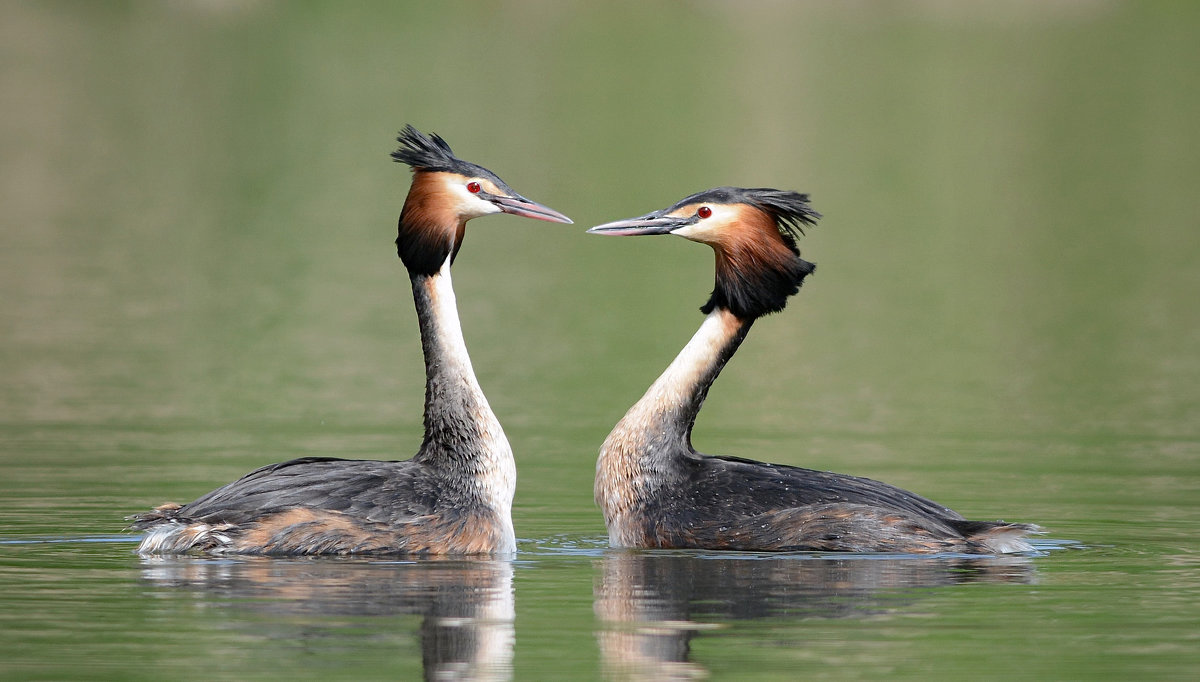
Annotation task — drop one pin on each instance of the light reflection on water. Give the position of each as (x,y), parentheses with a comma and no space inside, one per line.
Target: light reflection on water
(653,603)
(648,605)
(466,607)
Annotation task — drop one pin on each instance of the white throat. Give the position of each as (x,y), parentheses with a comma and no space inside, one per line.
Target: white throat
(494,468)
(675,386)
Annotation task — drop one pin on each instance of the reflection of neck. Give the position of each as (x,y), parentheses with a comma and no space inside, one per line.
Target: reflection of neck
(658,428)
(636,596)
(468,633)
(461,431)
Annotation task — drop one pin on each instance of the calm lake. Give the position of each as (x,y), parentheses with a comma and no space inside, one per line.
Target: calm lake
(197,278)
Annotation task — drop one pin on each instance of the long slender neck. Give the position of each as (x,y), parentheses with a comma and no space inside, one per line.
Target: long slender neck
(461,431)
(675,398)
(636,456)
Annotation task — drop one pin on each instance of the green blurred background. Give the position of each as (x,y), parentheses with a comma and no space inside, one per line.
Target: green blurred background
(198,278)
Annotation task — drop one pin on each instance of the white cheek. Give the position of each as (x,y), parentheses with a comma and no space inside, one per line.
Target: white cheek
(470,205)
(707,229)
(695,231)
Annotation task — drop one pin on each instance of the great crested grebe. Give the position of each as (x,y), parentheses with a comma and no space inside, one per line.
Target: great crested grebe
(455,495)
(656,491)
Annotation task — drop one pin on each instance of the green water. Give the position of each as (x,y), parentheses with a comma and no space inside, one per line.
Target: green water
(197,278)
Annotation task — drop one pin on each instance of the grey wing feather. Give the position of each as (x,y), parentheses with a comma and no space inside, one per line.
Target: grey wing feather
(369,489)
(776,486)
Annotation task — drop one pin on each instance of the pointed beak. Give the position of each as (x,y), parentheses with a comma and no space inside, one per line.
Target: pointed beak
(647,224)
(519,205)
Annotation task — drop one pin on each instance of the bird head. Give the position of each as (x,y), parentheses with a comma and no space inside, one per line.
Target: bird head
(446,192)
(753,232)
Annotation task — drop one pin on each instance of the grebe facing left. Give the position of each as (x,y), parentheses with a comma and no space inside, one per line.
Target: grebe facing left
(656,491)
(455,495)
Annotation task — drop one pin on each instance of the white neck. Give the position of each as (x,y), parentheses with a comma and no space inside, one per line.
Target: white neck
(451,346)
(676,387)
(457,414)
(635,458)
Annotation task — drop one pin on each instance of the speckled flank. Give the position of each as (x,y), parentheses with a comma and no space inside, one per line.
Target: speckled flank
(313,531)
(832,527)
(304,531)
(308,531)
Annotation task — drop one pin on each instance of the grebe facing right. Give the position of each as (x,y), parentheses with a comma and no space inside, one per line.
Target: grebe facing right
(455,495)
(656,491)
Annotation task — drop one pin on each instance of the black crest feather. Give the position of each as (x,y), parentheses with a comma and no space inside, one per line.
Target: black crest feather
(425,152)
(432,153)
(791,211)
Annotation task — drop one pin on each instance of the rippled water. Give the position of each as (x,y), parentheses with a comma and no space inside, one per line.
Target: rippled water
(196,279)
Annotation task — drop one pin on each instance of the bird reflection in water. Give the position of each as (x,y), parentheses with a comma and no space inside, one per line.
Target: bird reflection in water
(466,607)
(651,604)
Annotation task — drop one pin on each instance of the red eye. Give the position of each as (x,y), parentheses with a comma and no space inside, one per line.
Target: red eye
(473,187)
(704,212)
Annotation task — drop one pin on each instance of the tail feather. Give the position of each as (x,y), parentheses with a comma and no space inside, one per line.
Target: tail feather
(998,536)
(169,533)
(174,537)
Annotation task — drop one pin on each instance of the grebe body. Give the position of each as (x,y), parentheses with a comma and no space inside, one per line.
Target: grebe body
(455,495)
(657,491)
